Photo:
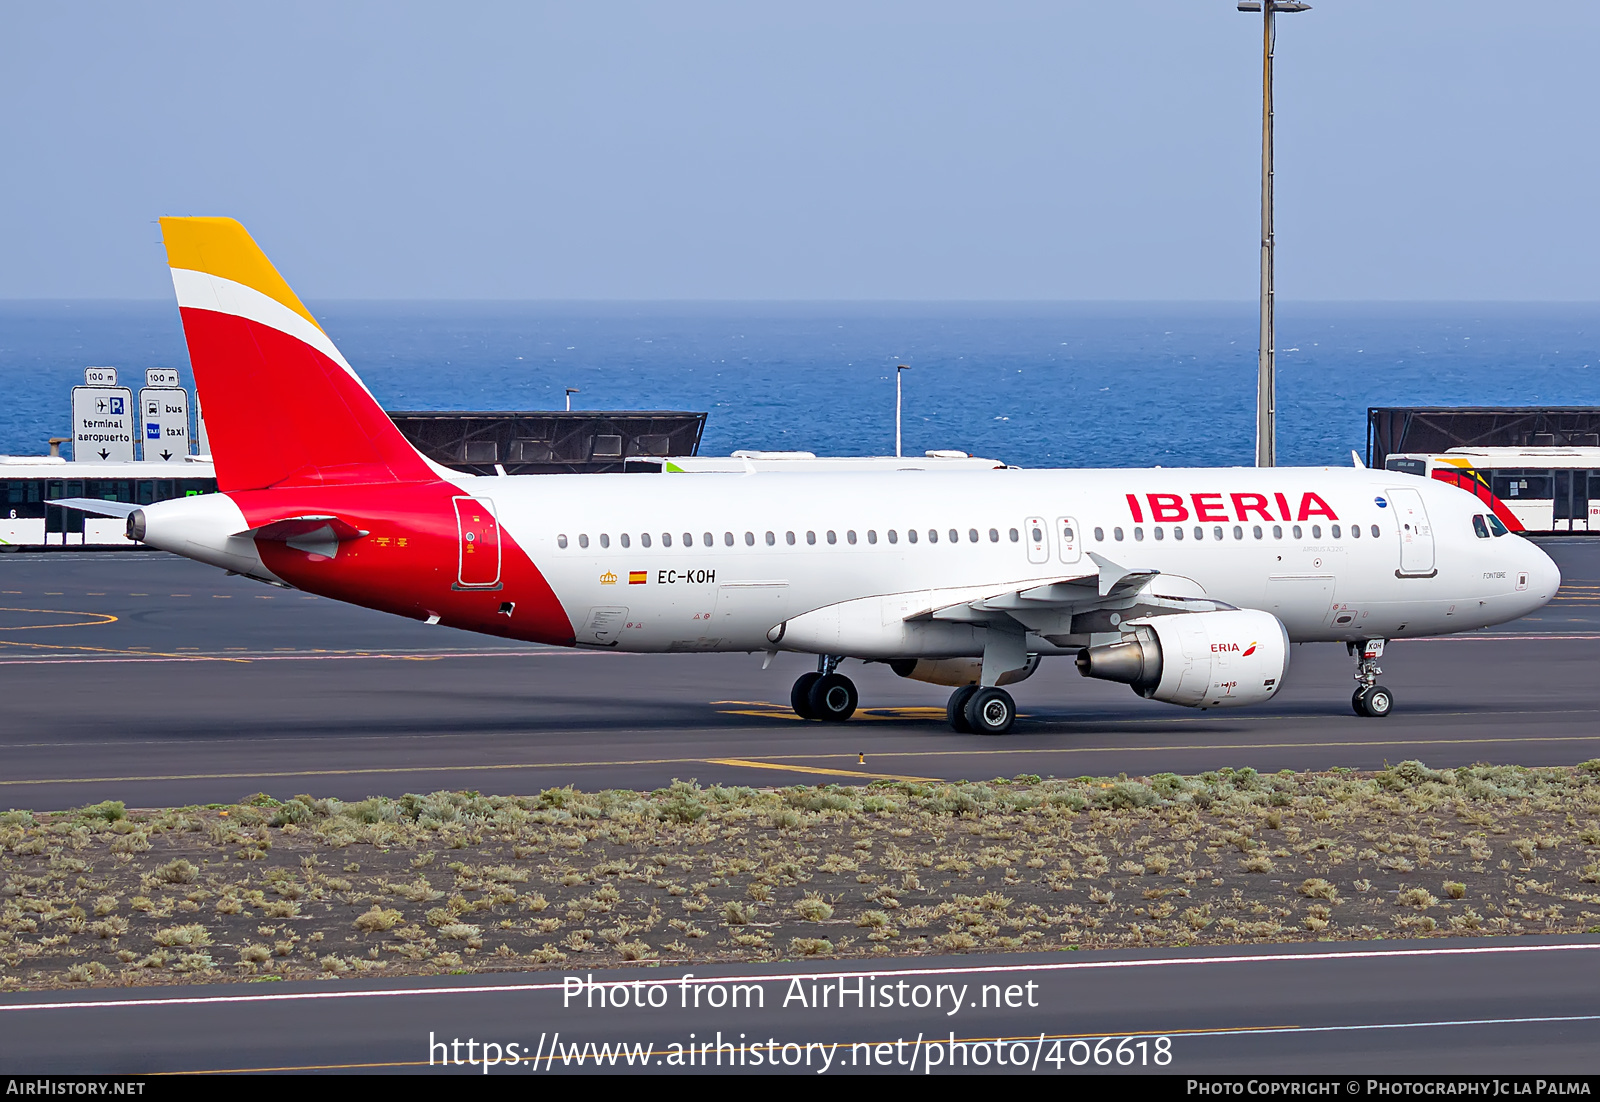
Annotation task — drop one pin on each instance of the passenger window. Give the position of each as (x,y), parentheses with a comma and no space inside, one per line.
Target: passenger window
(1116,534)
(1177,532)
(1015,536)
(1335,531)
(911,535)
(605,540)
(772,539)
(1038,536)
(1067,534)
(955,537)
(1374,531)
(850,536)
(1355,531)
(688,539)
(1496,527)
(972,535)
(1257,531)
(1100,535)
(1161,533)
(831,537)
(707,539)
(749,539)
(583,539)
(1138,534)
(1479,525)
(872,535)
(933,535)
(1200,533)
(644,539)
(894,537)
(1238,532)
(994,533)
(624,539)
(1216,533)
(666,539)
(1296,531)
(1316,531)
(788,537)
(727,539)
(561,542)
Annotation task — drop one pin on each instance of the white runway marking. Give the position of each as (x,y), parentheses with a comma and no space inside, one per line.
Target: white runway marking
(887,972)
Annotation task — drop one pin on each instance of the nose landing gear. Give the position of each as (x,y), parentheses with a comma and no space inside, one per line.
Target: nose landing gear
(825,694)
(1371,699)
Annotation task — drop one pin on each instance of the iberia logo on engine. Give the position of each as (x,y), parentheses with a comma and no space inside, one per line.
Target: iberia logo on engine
(1233,648)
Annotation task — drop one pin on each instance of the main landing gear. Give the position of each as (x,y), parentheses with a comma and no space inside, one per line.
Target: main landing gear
(1370,699)
(977,710)
(826,694)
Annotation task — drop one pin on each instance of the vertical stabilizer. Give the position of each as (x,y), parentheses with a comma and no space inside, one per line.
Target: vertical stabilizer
(283,408)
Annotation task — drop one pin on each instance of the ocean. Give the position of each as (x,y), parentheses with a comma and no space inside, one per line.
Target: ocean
(1031,384)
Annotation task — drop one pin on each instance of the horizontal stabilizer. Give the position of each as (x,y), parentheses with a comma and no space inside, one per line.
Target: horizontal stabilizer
(96,506)
(293,528)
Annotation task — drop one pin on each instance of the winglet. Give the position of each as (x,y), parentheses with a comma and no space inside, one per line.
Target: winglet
(1111,574)
(1357,459)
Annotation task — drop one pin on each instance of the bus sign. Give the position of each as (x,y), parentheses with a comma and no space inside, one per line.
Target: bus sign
(164,423)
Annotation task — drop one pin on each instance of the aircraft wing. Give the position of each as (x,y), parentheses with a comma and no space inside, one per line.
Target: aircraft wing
(1078,606)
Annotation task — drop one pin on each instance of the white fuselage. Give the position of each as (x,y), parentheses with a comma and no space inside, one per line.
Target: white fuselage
(716,561)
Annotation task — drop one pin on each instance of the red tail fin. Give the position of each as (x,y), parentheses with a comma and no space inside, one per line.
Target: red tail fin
(282,406)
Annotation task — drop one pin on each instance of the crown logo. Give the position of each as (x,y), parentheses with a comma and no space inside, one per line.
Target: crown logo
(608,578)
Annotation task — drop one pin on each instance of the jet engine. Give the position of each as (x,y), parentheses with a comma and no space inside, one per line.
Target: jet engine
(1197,659)
(956,671)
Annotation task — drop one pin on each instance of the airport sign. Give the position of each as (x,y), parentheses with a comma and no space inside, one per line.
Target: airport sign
(102,424)
(164,423)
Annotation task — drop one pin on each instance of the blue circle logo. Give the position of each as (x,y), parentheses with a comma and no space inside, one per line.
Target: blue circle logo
(1382,504)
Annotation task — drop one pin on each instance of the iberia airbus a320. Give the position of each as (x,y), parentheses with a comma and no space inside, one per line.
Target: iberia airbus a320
(1187,584)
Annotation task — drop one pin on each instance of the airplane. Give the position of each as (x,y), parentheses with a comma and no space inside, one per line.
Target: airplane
(1187,584)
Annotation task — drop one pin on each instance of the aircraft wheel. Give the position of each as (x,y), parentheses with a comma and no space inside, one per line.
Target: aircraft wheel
(956,711)
(832,698)
(800,695)
(1376,702)
(1355,702)
(990,711)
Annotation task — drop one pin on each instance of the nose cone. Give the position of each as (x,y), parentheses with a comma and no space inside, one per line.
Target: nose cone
(1544,576)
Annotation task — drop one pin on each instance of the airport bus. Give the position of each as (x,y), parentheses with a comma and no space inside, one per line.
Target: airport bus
(1541,489)
(29,483)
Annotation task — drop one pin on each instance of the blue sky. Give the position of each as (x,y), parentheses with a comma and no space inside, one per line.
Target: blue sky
(1426,150)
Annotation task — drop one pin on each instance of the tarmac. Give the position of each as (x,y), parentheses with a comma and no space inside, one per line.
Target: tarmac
(154,680)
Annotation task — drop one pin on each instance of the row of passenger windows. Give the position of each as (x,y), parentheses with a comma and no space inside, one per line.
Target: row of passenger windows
(1296,531)
(953,535)
(709,539)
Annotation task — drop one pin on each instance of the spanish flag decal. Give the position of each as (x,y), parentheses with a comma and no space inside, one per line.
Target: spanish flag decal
(638,577)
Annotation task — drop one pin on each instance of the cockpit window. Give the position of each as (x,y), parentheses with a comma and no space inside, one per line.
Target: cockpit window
(1480,527)
(1496,526)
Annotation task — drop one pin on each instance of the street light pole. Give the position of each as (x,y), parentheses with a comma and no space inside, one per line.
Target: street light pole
(1266,362)
(571,390)
(898,369)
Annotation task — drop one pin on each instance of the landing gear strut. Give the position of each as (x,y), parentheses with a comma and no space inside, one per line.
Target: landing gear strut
(825,694)
(1371,699)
